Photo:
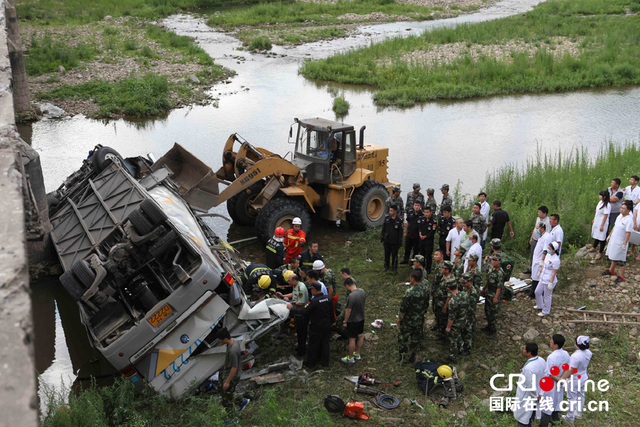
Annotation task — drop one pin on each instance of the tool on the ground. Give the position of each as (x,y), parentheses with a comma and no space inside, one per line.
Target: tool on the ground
(353,410)
(386,402)
(367,379)
(605,317)
(415,402)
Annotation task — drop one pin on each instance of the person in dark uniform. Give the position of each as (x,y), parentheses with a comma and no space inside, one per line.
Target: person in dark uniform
(412,238)
(308,257)
(275,249)
(391,236)
(258,278)
(427,227)
(319,312)
(445,224)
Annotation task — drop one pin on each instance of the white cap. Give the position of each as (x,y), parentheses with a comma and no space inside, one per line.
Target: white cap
(555,246)
(296,221)
(318,265)
(583,339)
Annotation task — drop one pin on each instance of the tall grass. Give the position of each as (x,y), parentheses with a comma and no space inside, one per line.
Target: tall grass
(46,55)
(567,183)
(609,56)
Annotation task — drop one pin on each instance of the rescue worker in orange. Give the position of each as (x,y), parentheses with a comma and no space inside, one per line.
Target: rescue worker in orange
(294,239)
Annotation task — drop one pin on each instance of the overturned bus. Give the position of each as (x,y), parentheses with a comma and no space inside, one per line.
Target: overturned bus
(154,284)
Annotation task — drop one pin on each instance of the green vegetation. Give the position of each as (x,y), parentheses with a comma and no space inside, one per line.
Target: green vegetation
(134,96)
(260,43)
(292,34)
(566,184)
(608,54)
(183,44)
(340,106)
(45,55)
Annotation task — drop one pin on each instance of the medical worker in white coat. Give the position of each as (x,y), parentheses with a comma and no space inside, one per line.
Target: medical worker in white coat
(579,361)
(527,401)
(538,256)
(548,279)
(556,362)
(619,241)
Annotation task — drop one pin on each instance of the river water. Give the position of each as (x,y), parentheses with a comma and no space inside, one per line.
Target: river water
(432,143)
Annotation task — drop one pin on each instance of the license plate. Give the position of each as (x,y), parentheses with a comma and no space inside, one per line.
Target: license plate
(160,315)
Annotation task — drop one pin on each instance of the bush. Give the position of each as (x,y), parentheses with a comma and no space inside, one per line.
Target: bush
(130,44)
(340,106)
(260,43)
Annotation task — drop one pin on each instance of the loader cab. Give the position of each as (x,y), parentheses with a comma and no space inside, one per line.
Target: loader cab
(325,149)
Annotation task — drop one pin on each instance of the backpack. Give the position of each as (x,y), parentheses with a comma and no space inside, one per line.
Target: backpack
(506,265)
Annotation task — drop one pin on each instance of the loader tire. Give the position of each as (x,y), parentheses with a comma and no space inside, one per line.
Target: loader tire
(368,205)
(239,207)
(279,212)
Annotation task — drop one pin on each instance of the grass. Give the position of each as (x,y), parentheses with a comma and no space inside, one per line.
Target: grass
(45,55)
(142,96)
(340,106)
(609,55)
(260,43)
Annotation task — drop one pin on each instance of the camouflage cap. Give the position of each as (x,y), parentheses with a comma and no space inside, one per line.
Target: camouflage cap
(495,257)
(418,258)
(396,189)
(430,190)
(466,277)
(473,257)
(416,185)
(445,187)
(461,249)
(448,264)
(496,243)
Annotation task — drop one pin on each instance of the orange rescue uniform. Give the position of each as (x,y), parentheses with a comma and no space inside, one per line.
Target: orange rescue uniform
(293,241)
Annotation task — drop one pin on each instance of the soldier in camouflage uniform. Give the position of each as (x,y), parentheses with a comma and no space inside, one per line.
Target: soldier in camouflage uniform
(458,262)
(418,264)
(472,305)
(447,279)
(457,323)
(431,202)
(438,259)
(496,249)
(413,308)
(492,291)
(413,197)
(396,199)
(447,201)
(475,271)
(479,223)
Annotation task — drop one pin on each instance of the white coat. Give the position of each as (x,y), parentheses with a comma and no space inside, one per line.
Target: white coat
(533,371)
(615,249)
(557,358)
(543,244)
(597,221)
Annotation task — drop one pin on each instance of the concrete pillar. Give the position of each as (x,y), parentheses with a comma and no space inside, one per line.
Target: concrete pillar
(21,96)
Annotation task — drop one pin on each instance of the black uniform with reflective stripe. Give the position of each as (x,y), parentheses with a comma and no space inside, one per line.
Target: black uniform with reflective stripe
(275,253)
(307,259)
(252,274)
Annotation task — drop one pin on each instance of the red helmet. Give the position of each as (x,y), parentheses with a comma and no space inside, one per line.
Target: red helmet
(279,232)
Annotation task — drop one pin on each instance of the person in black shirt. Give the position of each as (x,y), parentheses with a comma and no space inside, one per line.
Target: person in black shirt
(445,224)
(499,219)
(391,236)
(310,255)
(412,239)
(427,227)
(319,311)
(275,249)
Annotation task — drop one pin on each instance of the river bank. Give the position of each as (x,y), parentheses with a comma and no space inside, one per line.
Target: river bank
(561,45)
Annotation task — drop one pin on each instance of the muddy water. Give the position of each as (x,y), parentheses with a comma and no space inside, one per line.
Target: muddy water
(433,143)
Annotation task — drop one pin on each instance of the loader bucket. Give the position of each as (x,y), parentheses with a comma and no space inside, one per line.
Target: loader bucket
(198,183)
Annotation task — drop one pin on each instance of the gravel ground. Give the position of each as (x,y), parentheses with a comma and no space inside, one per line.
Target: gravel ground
(446,53)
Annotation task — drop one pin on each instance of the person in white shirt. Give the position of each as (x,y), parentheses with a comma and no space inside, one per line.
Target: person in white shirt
(548,279)
(474,249)
(557,233)
(484,211)
(556,360)
(579,361)
(600,224)
(632,192)
(619,241)
(453,238)
(532,371)
(543,218)
(538,257)
(467,227)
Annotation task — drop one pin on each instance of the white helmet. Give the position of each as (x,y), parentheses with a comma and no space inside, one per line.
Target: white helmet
(296,221)
(318,265)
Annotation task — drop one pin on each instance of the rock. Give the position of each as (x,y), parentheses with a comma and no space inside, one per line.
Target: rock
(50,111)
(370,337)
(483,366)
(61,69)
(516,338)
(194,79)
(636,309)
(531,334)
(407,401)
(582,252)
(462,375)
(484,392)
(108,18)
(633,332)
(545,322)
(462,414)
(618,364)
(494,369)
(632,357)
(595,341)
